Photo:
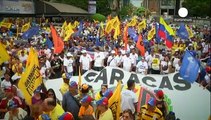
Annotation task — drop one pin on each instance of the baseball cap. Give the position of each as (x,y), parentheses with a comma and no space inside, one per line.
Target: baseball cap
(152,102)
(73,84)
(38,89)
(69,54)
(85,86)
(87,99)
(159,94)
(102,101)
(12,104)
(83,51)
(8,89)
(15,77)
(66,116)
(108,93)
(113,52)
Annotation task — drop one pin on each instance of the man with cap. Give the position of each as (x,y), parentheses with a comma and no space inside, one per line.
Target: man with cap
(56,67)
(133,57)
(14,111)
(150,111)
(86,110)
(65,85)
(160,103)
(9,95)
(68,64)
(69,102)
(127,62)
(112,60)
(15,81)
(98,59)
(85,61)
(105,111)
(142,66)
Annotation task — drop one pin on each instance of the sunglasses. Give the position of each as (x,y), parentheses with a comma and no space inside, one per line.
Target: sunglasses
(50,94)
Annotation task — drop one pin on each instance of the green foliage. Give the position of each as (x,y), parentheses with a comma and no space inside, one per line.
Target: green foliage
(98,17)
(103,7)
(126,11)
(197,8)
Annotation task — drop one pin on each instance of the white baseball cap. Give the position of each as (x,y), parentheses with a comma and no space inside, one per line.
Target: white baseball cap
(112,51)
(83,51)
(69,54)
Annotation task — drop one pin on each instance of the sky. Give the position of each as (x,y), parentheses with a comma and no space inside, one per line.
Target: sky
(136,3)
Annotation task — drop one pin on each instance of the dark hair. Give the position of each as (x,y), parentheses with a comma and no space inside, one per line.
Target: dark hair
(129,111)
(51,90)
(130,83)
(104,85)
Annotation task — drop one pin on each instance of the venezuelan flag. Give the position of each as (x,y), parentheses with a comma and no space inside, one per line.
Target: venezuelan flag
(166,33)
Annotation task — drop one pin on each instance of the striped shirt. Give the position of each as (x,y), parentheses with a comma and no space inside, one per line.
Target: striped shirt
(150,115)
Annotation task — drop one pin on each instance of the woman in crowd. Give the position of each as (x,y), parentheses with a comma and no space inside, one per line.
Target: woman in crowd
(51,94)
(99,95)
(127,115)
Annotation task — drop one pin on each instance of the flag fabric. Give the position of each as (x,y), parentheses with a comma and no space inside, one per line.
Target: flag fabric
(182,32)
(30,33)
(6,25)
(190,32)
(151,33)
(31,78)
(109,26)
(68,32)
(190,67)
(101,29)
(114,102)
(142,25)
(78,33)
(116,27)
(133,35)
(166,33)
(49,43)
(133,21)
(157,37)
(125,35)
(64,25)
(25,27)
(4,56)
(79,77)
(97,41)
(57,41)
(140,45)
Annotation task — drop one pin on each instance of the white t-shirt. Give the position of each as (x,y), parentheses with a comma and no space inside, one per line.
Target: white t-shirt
(112,61)
(85,60)
(23,58)
(68,63)
(149,60)
(176,61)
(128,100)
(134,58)
(127,63)
(5,84)
(163,64)
(142,67)
(98,57)
(47,52)
(177,67)
(21,114)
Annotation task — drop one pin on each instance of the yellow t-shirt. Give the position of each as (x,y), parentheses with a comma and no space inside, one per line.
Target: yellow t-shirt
(155,64)
(64,88)
(86,111)
(107,115)
(97,96)
(147,115)
(56,112)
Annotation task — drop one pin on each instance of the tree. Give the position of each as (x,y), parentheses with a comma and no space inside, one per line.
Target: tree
(103,7)
(197,8)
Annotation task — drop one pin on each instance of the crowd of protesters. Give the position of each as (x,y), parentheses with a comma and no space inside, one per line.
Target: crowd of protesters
(83,51)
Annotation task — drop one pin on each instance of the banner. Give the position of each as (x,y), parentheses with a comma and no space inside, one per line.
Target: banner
(31,78)
(4,56)
(188,101)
